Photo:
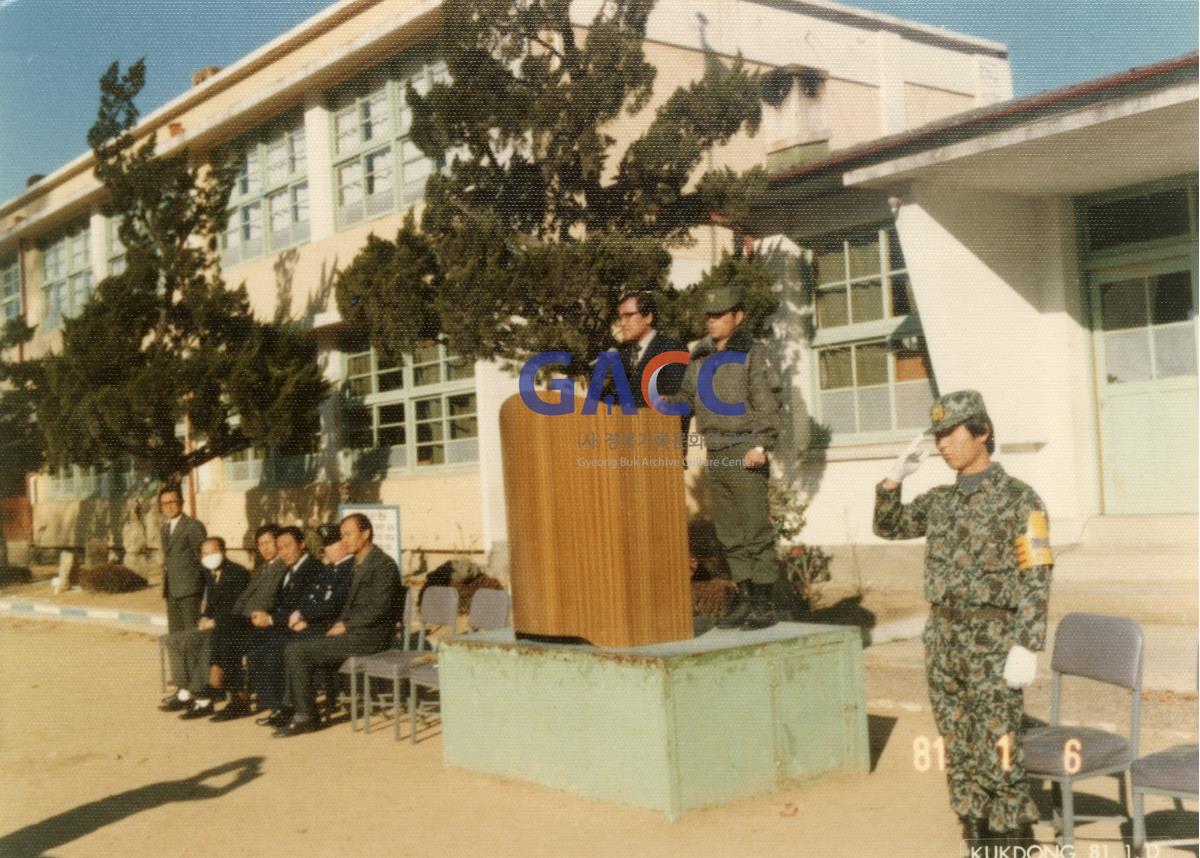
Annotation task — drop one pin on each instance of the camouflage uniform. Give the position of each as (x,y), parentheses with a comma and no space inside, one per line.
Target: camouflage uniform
(987,547)
(739,495)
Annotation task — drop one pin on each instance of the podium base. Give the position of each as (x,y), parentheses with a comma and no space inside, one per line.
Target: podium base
(669,727)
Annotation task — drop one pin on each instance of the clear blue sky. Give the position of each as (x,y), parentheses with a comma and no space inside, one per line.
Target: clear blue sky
(52,52)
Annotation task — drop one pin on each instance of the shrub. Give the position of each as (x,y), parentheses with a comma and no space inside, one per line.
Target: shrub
(110,578)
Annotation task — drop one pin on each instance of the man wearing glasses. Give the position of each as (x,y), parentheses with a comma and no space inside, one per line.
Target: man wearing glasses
(641,341)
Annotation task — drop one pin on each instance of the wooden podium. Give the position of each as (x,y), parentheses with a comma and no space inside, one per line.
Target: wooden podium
(597,525)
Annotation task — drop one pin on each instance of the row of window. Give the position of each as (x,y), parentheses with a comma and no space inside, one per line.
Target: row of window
(393,417)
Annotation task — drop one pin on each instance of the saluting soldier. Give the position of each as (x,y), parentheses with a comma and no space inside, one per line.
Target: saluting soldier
(987,578)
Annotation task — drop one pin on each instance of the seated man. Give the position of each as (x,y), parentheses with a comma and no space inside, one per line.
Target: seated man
(269,626)
(320,610)
(224,581)
(366,624)
(231,632)
(314,601)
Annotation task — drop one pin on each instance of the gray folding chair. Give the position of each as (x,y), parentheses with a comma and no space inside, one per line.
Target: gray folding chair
(489,610)
(1104,649)
(439,607)
(354,665)
(1173,773)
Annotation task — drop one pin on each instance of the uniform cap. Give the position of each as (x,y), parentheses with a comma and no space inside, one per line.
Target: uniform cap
(328,533)
(955,408)
(722,299)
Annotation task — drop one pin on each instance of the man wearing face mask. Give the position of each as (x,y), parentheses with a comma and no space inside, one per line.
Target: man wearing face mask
(231,634)
(224,582)
(987,578)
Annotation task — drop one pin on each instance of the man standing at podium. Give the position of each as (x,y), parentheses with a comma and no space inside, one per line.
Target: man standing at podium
(641,341)
(737,451)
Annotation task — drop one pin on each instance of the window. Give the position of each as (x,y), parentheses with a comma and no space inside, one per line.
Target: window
(269,202)
(73,482)
(421,410)
(1148,327)
(114,249)
(1163,214)
(377,167)
(10,289)
(66,274)
(873,374)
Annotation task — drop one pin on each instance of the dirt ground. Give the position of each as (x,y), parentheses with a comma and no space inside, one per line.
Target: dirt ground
(90,767)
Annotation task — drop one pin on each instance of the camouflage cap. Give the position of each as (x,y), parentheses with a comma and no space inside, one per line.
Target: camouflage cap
(722,299)
(328,533)
(954,408)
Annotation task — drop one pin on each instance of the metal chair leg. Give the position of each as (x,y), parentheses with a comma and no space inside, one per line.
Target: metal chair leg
(1068,812)
(162,664)
(353,694)
(396,700)
(1139,822)
(412,710)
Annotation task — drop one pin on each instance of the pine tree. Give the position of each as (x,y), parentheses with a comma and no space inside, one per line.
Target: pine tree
(165,343)
(537,225)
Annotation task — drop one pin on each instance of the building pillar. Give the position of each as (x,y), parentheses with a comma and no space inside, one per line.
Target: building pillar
(318,137)
(890,52)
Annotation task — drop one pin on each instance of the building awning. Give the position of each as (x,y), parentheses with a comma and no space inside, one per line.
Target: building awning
(1114,130)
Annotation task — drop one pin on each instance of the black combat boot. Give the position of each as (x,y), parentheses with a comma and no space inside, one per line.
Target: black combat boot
(1021,836)
(739,611)
(974,832)
(762,608)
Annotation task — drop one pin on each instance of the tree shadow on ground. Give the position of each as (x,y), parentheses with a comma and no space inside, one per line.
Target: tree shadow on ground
(879,730)
(87,818)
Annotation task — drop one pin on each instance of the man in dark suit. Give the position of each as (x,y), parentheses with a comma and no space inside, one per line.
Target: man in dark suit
(320,609)
(232,632)
(272,629)
(638,314)
(224,582)
(366,624)
(183,576)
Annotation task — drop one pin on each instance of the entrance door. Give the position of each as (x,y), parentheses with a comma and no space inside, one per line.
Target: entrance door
(1144,318)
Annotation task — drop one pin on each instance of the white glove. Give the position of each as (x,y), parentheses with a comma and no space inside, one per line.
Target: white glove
(911,459)
(1020,667)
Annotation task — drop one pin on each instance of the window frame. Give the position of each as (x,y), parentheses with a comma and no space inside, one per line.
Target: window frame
(408,394)
(66,240)
(386,86)
(10,288)
(256,151)
(890,330)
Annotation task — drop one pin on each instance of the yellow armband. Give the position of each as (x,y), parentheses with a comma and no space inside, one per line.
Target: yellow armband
(1033,546)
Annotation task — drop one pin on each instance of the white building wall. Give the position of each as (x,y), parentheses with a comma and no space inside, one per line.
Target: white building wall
(996,286)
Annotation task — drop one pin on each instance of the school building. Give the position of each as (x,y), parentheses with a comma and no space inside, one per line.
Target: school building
(930,233)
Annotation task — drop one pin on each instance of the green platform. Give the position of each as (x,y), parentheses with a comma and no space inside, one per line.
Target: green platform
(670,727)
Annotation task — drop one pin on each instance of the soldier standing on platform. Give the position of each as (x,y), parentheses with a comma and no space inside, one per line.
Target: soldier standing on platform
(737,452)
(987,578)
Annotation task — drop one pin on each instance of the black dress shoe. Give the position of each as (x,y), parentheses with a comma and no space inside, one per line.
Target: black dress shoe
(173,704)
(236,709)
(201,708)
(295,727)
(277,718)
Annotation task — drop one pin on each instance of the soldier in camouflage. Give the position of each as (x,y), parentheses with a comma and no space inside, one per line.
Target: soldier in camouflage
(987,578)
(737,452)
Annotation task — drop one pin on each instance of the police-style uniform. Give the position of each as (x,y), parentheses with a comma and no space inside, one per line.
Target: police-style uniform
(987,579)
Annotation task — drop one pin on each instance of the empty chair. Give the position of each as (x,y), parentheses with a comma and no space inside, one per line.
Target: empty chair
(489,610)
(439,607)
(1172,772)
(1103,649)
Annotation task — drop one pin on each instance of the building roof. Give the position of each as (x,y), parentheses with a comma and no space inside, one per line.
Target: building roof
(995,117)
